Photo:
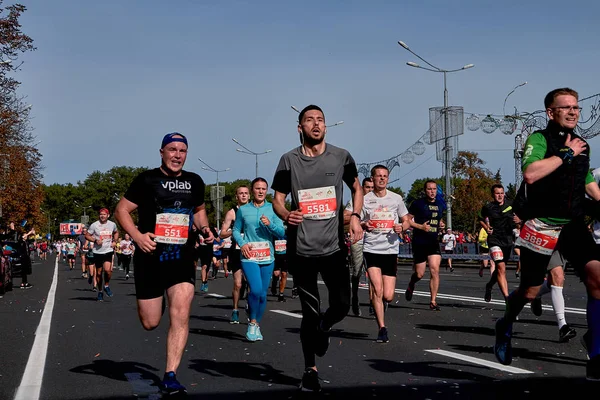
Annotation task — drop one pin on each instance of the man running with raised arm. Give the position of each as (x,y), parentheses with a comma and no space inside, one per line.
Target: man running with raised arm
(242,195)
(314,174)
(556,179)
(169,200)
(385,217)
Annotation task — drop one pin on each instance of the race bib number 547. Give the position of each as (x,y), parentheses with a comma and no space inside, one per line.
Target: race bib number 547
(319,203)
(172,228)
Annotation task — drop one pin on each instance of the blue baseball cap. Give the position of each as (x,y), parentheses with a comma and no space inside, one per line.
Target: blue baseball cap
(172,137)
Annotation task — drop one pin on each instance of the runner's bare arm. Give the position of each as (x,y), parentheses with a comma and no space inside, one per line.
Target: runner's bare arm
(279,205)
(229,217)
(355,228)
(201,222)
(123,216)
(414,225)
(593,190)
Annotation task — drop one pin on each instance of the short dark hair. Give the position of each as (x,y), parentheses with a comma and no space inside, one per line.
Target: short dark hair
(549,99)
(308,108)
(496,186)
(259,179)
(429,181)
(379,166)
(367,179)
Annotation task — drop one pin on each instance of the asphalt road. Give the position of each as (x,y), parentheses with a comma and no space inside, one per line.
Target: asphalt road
(100,351)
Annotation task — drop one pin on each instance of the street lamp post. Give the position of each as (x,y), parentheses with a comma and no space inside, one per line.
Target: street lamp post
(252,153)
(447,161)
(217,198)
(84,220)
(328,126)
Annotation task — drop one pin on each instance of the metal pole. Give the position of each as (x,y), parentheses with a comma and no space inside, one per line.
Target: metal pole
(218,205)
(447,160)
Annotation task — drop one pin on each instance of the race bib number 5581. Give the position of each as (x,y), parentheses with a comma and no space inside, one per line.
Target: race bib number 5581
(172,228)
(319,203)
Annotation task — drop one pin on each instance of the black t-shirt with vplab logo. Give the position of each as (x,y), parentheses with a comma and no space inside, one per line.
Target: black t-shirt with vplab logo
(166,206)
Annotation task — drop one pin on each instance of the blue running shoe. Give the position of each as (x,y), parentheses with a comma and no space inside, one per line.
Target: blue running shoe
(108,291)
(235,317)
(100,296)
(251,334)
(204,287)
(503,347)
(170,384)
(259,335)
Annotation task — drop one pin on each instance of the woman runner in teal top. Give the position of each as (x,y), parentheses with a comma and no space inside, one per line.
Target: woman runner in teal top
(261,227)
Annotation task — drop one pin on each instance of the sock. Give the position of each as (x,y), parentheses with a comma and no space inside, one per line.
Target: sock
(413,279)
(558,303)
(544,289)
(593,320)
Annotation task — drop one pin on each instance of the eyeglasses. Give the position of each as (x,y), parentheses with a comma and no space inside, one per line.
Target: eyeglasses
(567,108)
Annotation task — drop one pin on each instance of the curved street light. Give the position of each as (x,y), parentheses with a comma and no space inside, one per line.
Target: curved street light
(447,164)
(252,153)
(328,126)
(217,198)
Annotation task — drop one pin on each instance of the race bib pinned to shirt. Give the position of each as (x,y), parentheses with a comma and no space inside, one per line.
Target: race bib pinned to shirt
(172,228)
(539,236)
(259,251)
(318,203)
(382,221)
(280,246)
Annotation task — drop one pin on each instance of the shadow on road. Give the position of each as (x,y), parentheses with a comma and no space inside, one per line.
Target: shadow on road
(227,335)
(117,370)
(253,371)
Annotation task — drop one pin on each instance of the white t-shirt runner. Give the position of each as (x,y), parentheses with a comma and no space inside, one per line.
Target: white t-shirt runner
(105,232)
(383,212)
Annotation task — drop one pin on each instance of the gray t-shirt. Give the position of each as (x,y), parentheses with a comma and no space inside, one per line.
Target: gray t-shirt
(104,232)
(316,186)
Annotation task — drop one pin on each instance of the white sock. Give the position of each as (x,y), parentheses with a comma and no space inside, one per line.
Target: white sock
(544,289)
(558,303)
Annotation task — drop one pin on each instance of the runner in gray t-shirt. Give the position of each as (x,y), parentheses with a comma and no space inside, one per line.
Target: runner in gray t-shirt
(314,174)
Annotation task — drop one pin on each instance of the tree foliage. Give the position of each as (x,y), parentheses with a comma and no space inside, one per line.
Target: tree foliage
(472,183)
(20,162)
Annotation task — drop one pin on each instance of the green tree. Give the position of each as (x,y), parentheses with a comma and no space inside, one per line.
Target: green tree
(416,190)
(472,185)
(396,190)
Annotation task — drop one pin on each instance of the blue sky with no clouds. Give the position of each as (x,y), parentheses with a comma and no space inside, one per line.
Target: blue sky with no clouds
(110,78)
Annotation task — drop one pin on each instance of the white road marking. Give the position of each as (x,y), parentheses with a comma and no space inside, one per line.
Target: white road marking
(289,314)
(479,361)
(31,383)
(218,296)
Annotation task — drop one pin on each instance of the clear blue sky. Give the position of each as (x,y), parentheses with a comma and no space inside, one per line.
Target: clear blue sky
(110,78)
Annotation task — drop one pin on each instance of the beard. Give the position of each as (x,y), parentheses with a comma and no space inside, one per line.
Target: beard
(304,139)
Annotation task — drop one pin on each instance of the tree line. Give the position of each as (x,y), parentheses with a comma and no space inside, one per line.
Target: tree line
(67,202)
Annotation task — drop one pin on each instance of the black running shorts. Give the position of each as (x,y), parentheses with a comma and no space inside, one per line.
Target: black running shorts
(422,251)
(100,259)
(281,263)
(235,261)
(153,277)
(387,263)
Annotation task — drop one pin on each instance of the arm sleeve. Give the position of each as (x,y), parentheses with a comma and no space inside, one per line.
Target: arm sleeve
(535,150)
(282,181)
(237,228)
(136,192)
(350,171)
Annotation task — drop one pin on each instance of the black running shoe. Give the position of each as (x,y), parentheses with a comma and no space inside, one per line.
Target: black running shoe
(503,346)
(382,337)
(566,333)
(434,307)
(488,293)
(592,369)
(281,298)
(409,292)
(171,386)
(536,306)
(321,340)
(310,381)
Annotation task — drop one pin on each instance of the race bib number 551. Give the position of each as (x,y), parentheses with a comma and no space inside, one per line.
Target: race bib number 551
(172,228)
(319,203)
